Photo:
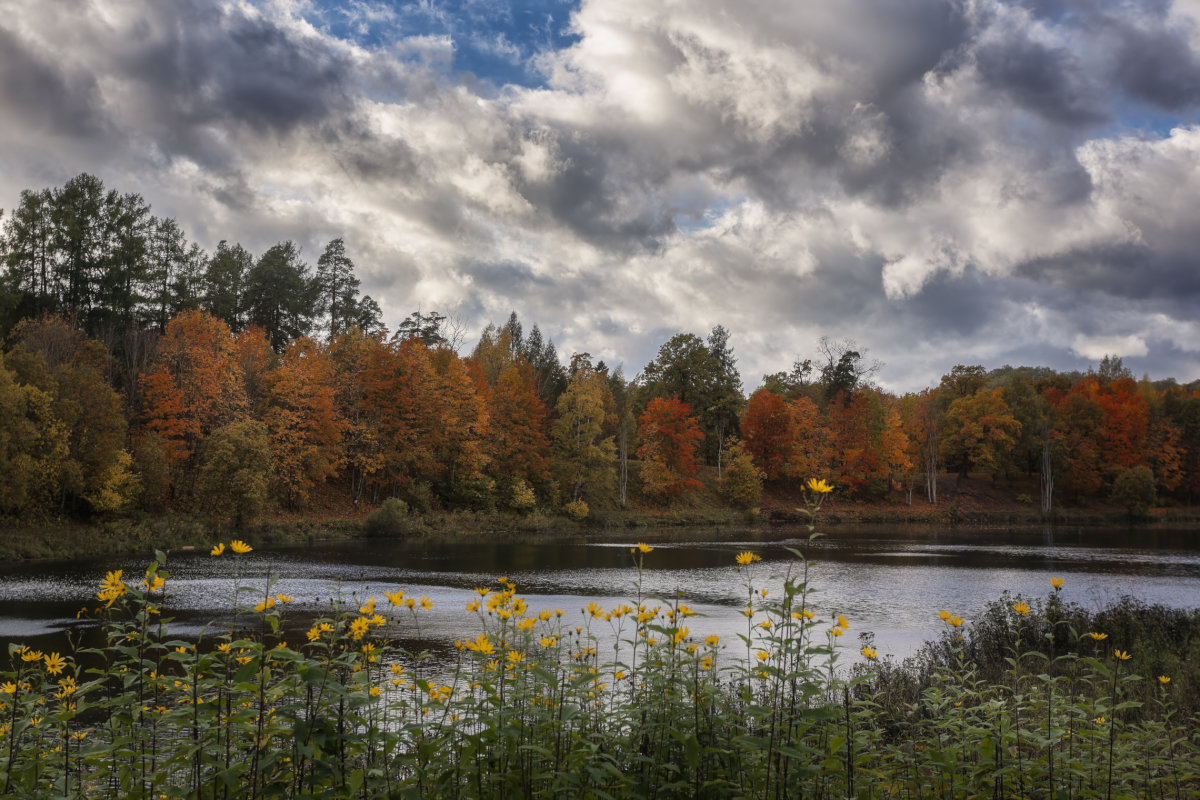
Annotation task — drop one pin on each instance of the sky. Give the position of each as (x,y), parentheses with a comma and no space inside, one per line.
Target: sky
(942,181)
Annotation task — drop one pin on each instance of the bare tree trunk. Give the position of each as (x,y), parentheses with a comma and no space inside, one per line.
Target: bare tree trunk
(623,459)
(1047,477)
(931,470)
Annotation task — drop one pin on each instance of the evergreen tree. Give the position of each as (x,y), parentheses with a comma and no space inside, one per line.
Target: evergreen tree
(336,288)
(224,283)
(279,295)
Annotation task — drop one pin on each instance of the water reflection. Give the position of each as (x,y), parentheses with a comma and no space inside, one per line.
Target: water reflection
(889,582)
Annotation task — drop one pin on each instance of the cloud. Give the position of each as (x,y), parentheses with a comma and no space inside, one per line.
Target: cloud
(1096,347)
(943,181)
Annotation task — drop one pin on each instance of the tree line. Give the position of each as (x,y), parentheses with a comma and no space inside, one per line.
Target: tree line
(139,372)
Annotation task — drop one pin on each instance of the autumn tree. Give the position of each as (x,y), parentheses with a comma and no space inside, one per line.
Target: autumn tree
(236,472)
(979,431)
(669,436)
(194,386)
(457,428)
(742,483)
(812,447)
(70,368)
(919,420)
(352,353)
(302,419)
(582,456)
(768,434)
(703,375)
(518,443)
(32,447)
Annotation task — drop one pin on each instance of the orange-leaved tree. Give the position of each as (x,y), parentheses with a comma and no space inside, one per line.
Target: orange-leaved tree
(767,433)
(302,419)
(194,386)
(669,437)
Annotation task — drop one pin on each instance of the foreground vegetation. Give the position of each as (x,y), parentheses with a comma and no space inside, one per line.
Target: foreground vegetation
(1032,699)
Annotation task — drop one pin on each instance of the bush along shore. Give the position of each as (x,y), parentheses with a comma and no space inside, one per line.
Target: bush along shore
(1036,698)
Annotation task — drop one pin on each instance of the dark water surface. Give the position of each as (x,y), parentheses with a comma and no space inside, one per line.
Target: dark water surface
(890,582)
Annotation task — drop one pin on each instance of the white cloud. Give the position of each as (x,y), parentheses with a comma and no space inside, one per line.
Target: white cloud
(1096,347)
(883,173)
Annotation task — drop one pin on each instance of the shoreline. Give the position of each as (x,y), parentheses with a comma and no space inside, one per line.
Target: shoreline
(67,540)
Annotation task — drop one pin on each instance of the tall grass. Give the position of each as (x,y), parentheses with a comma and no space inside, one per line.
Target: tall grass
(1024,702)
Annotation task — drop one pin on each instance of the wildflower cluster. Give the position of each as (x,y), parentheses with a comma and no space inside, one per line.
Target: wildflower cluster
(530,704)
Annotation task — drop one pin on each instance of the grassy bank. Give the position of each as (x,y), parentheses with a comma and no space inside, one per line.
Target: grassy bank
(976,501)
(1037,698)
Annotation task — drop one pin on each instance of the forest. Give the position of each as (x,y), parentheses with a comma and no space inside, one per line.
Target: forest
(141,373)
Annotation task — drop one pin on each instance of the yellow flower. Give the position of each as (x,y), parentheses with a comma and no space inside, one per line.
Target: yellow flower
(870,652)
(514,657)
(842,622)
(240,547)
(284,598)
(111,588)
(265,604)
(359,627)
(395,598)
(426,602)
(762,655)
(153,584)
(218,550)
(1164,680)
(712,639)
(1057,583)
(1099,720)
(55,663)
(1021,608)
(943,615)
(8,687)
(747,558)
(374,691)
(1099,637)
(31,655)
(955,622)
(809,613)
(836,631)
(819,486)
(368,607)
(1121,655)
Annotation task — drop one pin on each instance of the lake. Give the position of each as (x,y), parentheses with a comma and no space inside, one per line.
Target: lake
(891,582)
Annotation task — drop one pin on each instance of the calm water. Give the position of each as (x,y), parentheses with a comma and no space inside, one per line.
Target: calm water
(891,583)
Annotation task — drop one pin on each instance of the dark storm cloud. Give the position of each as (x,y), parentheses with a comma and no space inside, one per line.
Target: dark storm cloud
(1048,81)
(201,65)
(34,91)
(605,192)
(1131,271)
(1159,67)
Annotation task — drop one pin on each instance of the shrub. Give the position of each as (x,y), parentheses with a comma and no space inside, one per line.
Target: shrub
(742,483)
(576,510)
(522,498)
(1134,489)
(390,519)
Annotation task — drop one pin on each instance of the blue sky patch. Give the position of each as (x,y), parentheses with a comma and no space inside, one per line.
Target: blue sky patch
(495,41)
